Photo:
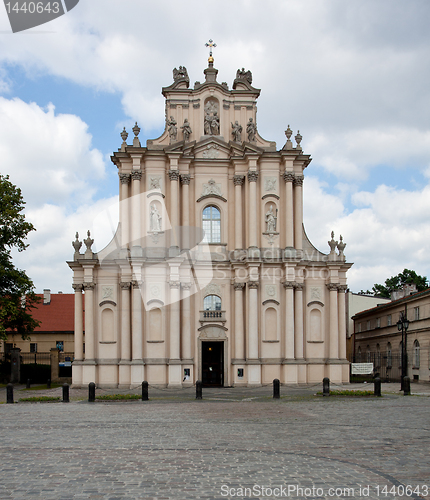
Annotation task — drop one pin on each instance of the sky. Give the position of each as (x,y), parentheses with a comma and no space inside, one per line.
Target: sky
(351,75)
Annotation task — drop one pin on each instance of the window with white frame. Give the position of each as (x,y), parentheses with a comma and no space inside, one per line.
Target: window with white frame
(212,303)
(416,313)
(416,354)
(212,224)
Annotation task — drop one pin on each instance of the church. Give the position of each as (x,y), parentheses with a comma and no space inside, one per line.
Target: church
(210,275)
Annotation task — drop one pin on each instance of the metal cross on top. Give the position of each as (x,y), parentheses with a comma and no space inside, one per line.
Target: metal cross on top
(210,44)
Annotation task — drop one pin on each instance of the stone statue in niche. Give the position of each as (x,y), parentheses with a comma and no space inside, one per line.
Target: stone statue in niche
(172,129)
(236,131)
(186,130)
(271,219)
(211,124)
(251,130)
(154,220)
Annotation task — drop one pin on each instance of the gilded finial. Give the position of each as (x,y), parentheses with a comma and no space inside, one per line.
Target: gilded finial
(210,44)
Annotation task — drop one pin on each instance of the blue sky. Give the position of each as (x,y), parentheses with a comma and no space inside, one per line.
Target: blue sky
(351,76)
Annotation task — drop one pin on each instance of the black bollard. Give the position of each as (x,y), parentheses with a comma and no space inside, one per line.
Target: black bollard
(199,392)
(326,386)
(276,389)
(91,392)
(48,383)
(9,392)
(145,395)
(377,386)
(28,384)
(66,393)
(406,386)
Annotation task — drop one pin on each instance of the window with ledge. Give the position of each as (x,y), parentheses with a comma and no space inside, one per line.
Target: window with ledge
(212,224)
(368,325)
(378,322)
(389,320)
(33,347)
(212,303)
(416,313)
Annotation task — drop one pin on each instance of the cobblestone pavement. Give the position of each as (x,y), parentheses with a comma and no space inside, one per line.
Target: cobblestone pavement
(232,444)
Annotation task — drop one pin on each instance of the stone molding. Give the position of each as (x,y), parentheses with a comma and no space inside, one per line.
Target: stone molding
(136,175)
(289,284)
(238,287)
(173,175)
(124,178)
(239,180)
(252,176)
(78,288)
(333,287)
(298,180)
(289,177)
(185,179)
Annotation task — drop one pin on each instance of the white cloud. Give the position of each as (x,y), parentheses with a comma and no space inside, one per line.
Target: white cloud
(48,156)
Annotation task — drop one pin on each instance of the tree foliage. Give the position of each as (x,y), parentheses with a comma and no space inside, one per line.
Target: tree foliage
(17,296)
(407,277)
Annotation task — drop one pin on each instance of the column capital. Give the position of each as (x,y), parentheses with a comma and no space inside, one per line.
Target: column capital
(253,285)
(289,284)
(124,178)
(186,285)
(175,284)
(136,175)
(299,286)
(289,177)
(298,180)
(136,284)
(173,175)
(89,286)
(125,285)
(239,180)
(332,286)
(78,287)
(185,179)
(252,176)
(238,287)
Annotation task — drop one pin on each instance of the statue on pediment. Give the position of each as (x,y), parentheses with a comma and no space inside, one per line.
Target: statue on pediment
(241,74)
(180,74)
(186,130)
(172,129)
(251,130)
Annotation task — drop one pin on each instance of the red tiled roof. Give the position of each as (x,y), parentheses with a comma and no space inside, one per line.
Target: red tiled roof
(58,316)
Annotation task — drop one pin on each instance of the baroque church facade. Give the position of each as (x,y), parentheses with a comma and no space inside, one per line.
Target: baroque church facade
(210,275)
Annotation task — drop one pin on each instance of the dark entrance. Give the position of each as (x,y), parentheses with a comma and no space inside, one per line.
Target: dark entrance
(213,364)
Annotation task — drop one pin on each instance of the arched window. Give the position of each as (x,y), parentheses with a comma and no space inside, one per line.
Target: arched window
(212,224)
(368,354)
(389,355)
(212,303)
(378,356)
(416,354)
(359,355)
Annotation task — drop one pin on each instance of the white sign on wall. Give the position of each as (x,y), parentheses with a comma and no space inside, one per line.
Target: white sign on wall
(361,368)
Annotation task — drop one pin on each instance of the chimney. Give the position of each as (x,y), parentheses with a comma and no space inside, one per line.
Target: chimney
(46,296)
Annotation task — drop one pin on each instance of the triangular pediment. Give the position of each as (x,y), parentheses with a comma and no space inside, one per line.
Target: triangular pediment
(211,148)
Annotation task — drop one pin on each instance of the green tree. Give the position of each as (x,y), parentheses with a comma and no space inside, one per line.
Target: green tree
(407,277)
(17,296)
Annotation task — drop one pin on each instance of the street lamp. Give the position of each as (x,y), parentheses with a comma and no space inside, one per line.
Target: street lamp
(403,325)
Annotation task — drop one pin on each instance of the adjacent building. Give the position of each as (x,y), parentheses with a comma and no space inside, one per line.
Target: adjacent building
(378,340)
